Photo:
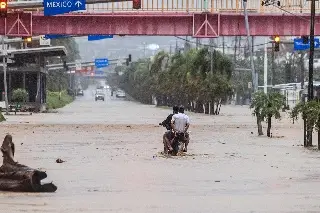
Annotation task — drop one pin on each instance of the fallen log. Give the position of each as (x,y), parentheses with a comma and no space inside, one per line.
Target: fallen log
(16,177)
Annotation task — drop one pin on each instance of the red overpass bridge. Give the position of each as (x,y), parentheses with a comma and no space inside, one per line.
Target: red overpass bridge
(168,18)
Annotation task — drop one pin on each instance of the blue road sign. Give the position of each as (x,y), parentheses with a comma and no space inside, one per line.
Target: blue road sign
(53,36)
(101,62)
(55,7)
(98,37)
(98,72)
(299,45)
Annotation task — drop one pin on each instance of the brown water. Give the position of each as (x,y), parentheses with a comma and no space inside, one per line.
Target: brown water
(113,164)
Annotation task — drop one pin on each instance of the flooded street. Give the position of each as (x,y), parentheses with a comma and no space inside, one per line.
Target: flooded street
(113,164)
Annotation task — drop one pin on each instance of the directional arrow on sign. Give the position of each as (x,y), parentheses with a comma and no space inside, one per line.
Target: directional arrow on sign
(78,3)
(55,7)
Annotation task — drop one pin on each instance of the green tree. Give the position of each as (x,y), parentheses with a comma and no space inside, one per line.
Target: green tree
(310,112)
(183,78)
(266,106)
(59,80)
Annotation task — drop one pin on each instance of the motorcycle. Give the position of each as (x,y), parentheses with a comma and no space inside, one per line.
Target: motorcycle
(177,143)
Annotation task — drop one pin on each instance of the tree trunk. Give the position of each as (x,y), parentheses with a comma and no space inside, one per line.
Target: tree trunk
(269,126)
(218,107)
(319,140)
(17,177)
(259,125)
(206,105)
(212,108)
(199,108)
(309,134)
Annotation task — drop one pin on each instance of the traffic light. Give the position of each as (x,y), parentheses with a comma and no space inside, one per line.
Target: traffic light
(27,41)
(3,8)
(305,39)
(277,44)
(136,4)
(129,58)
(65,66)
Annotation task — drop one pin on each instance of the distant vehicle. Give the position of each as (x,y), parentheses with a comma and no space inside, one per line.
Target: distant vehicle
(99,91)
(99,96)
(120,94)
(80,92)
(99,87)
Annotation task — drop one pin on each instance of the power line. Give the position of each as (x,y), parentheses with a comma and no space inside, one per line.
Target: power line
(208,45)
(284,10)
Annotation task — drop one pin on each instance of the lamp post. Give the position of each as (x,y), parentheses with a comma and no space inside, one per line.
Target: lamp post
(253,71)
(311,56)
(4,65)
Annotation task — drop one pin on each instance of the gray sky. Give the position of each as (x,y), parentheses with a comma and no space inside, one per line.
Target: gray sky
(121,47)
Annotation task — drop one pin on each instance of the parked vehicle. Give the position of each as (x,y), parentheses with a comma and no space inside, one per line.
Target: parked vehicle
(99,96)
(120,94)
(80,92)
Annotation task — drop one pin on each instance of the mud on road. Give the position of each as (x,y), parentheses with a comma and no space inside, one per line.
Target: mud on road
(113,164)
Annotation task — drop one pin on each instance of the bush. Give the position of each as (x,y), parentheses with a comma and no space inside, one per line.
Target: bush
(1,117)
(53,101)
(19,95)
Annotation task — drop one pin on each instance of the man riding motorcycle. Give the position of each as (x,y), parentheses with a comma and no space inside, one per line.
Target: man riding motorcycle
(180,124)
(168,135)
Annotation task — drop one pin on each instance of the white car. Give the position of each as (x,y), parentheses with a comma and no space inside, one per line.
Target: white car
(120,94)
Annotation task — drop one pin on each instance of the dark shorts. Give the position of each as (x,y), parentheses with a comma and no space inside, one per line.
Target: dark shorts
(169,135)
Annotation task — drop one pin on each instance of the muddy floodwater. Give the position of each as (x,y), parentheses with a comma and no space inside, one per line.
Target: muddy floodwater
(113,163)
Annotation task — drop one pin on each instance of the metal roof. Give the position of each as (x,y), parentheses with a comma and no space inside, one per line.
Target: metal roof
(44,51)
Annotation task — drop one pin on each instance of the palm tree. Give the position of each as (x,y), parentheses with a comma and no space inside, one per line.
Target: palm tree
(266,106)
(310,111)
(184,78)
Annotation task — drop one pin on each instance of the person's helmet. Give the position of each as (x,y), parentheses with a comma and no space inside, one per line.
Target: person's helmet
(175,108)
(181,109)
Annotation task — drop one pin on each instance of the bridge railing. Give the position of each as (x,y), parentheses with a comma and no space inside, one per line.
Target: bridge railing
(213,6)
(228,6)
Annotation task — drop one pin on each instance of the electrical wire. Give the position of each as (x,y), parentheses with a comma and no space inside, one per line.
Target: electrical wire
(215,46)
(291,13)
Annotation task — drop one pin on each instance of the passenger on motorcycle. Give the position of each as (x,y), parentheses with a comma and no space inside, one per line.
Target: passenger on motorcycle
(180,124)
(168,135)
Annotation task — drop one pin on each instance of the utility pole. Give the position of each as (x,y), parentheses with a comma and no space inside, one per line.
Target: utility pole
(255,87)
(211,54)
(4,65)
(235,50)
(272,66)
(265,73)
(223,45)
(197,43)
(176,51)
(303,97)
(311,55)
(144,49)
(302,70)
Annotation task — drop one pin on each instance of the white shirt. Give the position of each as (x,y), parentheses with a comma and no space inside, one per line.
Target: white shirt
(180,121)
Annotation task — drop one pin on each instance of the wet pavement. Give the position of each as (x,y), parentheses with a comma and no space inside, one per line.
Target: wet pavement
(113,163)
